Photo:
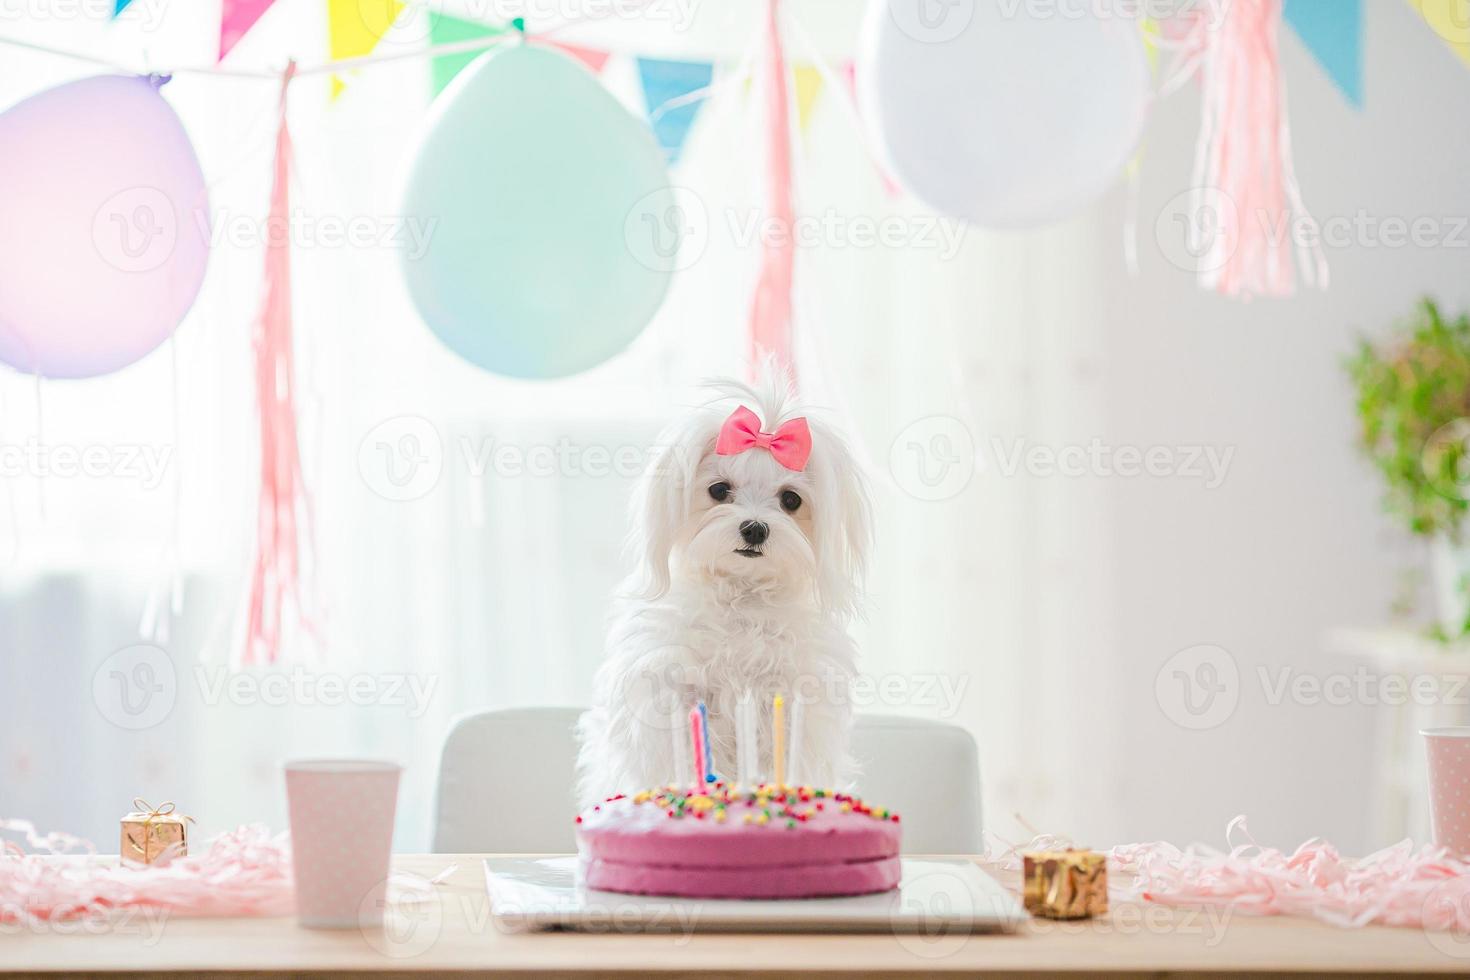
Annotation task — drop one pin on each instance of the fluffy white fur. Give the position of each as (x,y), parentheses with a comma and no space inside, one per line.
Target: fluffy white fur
(698,620)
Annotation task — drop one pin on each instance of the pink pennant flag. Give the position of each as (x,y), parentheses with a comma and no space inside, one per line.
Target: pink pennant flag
(237,17)
(591,57)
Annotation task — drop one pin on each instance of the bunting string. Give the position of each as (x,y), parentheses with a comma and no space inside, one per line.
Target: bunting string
(327,67)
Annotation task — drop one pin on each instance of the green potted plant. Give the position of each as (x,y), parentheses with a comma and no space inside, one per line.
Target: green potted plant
(1413,393)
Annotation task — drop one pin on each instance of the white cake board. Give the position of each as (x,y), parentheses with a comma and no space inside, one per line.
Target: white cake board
(937,897)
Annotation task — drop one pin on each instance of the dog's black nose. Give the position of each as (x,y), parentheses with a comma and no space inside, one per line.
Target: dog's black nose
(754,532)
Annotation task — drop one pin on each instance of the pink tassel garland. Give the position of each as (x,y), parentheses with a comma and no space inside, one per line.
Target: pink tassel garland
(282,528)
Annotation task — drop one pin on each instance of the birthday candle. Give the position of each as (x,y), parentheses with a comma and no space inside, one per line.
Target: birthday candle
(747,740)
(696,738)
(680,775)
(778,760)
(794,745)
(709,752)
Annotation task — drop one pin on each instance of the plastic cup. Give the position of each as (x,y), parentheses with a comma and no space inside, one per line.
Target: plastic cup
(341,839)
(1449,786)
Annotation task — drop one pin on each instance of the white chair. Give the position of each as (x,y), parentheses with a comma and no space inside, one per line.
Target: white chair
(506,782)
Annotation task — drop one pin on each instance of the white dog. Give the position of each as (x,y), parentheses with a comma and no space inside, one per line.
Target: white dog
(751,532)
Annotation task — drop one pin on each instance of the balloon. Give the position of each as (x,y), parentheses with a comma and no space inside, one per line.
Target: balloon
(538,193)
(104,226)
(999,114)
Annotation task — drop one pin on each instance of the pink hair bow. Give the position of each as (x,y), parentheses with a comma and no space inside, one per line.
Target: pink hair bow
(790,444)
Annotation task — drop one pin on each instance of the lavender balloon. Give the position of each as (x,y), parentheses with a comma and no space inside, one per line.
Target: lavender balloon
(104,228)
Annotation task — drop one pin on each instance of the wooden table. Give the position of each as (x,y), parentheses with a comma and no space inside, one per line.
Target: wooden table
(452,935)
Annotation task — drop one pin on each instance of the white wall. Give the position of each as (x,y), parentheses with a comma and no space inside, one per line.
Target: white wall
(1293,543)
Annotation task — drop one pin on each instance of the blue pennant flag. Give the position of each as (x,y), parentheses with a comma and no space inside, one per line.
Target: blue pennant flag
(1333,31)
(121,6)
(663,82)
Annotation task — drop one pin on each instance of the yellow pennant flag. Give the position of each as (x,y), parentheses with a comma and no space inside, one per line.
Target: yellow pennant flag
(808,87)
(355,27)
(1450,19)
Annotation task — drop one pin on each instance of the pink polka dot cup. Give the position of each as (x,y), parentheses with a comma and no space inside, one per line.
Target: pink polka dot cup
(341,839)
(1449,786)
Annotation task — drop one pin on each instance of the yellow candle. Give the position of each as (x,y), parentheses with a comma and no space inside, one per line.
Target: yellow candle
(779,742)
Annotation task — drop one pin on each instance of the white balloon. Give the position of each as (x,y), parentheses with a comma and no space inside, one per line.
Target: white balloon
(1006,113)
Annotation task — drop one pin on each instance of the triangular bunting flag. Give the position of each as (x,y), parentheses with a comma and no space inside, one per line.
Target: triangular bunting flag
(444,29)
(355,28)
(808,87)
(237,17)
(591,57)
(663,83)
(1450,19)
(1333,31)
(121,6)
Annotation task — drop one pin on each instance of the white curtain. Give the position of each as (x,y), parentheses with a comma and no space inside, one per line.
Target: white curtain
(942,349)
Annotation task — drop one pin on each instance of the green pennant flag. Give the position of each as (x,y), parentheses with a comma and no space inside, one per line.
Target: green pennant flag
(444,29)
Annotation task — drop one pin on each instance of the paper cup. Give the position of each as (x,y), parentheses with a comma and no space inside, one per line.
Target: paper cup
(1449,786)
(341,838)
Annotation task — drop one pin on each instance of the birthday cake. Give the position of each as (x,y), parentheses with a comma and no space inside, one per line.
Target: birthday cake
(772,841)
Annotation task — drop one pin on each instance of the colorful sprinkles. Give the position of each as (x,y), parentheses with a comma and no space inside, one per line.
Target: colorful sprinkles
(778,804)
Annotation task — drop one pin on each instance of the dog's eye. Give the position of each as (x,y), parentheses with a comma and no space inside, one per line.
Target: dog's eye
(790,500)
(719,491)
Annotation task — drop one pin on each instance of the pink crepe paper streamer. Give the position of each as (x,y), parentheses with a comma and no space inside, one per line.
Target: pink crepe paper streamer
(1427,888)
(1397,886)
(284,508)
(243,873)
(770,308)
(1246,208)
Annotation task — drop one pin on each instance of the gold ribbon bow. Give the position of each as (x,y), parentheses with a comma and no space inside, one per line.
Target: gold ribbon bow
(152,813)
(141,805)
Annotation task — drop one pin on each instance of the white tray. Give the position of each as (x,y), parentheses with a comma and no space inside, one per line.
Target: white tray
(936,897)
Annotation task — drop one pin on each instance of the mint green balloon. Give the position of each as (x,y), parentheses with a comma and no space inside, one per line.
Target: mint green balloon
(538,192)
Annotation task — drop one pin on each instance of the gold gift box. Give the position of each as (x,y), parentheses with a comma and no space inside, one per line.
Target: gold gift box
(1065,884)
(149,831)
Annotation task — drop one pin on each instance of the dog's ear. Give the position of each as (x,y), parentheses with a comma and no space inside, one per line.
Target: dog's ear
(661,502)
(842,522)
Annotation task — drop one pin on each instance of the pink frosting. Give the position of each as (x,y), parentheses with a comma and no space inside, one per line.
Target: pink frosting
(776,844)
(793,881)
